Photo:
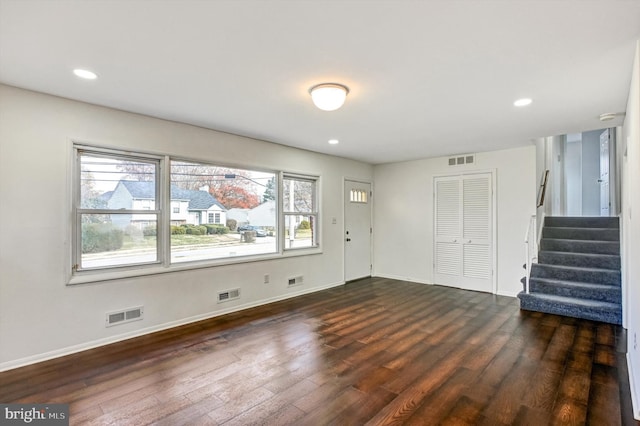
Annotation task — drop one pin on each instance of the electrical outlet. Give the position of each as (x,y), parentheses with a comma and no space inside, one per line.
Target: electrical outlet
(266,278)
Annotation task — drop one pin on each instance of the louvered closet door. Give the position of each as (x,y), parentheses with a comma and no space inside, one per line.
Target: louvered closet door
(463,232)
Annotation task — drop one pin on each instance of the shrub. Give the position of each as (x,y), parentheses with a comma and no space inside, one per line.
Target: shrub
(304,225)
(178,230)
(196,230)
(192,229)
(216,229)
(99,237)
(150,231)
(232,224)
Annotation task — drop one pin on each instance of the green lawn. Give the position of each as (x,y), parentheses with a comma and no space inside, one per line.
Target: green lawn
(179,240)
(187,240)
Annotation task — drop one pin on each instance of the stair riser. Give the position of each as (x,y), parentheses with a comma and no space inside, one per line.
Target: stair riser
(582,222)
(571,259)
(582,234)
(532,304)
(594,247)
(558,273)
(612,295)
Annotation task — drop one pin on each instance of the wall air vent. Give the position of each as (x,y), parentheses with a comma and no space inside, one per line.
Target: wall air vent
(296,281)
(124,316)
(462,160)
(227,295)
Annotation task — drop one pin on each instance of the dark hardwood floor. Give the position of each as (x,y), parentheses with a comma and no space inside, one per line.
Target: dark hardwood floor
(374,351)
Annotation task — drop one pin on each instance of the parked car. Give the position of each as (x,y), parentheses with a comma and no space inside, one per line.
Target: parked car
(259,232)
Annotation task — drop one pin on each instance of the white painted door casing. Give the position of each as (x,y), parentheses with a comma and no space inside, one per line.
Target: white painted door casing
(463,225)
(357,230)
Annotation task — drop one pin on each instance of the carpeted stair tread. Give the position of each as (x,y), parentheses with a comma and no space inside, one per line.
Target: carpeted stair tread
(583,290)
(582,221)
(575,283)
(577,301)
(573,273)
(580,246)
(575,233)
(592,260)
(572,307)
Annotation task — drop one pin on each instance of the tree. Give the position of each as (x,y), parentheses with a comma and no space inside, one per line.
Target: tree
(138,171)
(303,194)
(90,198)
(269,191)
(233,188)
(233,196)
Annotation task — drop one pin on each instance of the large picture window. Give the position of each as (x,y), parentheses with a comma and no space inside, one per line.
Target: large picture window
(228,212)
(299,205)
(134,210)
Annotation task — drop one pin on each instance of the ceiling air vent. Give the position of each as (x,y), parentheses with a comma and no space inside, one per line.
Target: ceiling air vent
(462,160)
(227,295)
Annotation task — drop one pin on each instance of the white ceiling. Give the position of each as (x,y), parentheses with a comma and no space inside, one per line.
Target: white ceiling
(427,78)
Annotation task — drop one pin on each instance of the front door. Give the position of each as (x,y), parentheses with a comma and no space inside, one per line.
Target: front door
(357,230)
(463,251)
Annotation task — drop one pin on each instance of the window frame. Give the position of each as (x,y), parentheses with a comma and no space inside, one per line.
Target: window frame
(315,213)
(163,263)
(77,211)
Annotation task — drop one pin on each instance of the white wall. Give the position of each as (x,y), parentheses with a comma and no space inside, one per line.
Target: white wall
(630,220)
(403,214)
(591,173)
(573,177)
(41,317)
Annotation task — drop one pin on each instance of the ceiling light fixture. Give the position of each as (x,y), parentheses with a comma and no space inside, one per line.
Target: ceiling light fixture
(329,96)
(86,74)
(522,102)
(334,141)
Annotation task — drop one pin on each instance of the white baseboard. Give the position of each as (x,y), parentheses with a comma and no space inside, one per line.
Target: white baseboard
(417,281)
(402,278)
(632,385)
(9,365)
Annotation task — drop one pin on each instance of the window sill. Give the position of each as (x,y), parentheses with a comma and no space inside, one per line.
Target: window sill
(89,277)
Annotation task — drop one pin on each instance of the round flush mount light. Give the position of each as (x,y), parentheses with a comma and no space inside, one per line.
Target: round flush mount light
(334,141)
(522,102)
(86,74)
(329,96)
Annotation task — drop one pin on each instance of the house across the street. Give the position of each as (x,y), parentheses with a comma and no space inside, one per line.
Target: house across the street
(187,206)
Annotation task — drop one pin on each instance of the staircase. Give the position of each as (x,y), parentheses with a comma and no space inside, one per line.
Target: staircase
(578,270)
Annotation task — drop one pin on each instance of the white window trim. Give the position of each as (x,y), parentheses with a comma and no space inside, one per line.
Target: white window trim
(163,264)
(315,213)
(77,211)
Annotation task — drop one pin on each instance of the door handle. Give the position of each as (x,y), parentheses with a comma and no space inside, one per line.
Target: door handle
(348,239)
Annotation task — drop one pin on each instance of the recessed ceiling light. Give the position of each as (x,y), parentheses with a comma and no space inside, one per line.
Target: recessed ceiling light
(86,74)
(334,141)
(522,102)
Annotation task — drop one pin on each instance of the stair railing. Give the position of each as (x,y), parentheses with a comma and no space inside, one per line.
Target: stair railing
(531,249)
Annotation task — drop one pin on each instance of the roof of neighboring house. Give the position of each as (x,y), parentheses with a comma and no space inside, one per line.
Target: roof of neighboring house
(140,190)
(198,200)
